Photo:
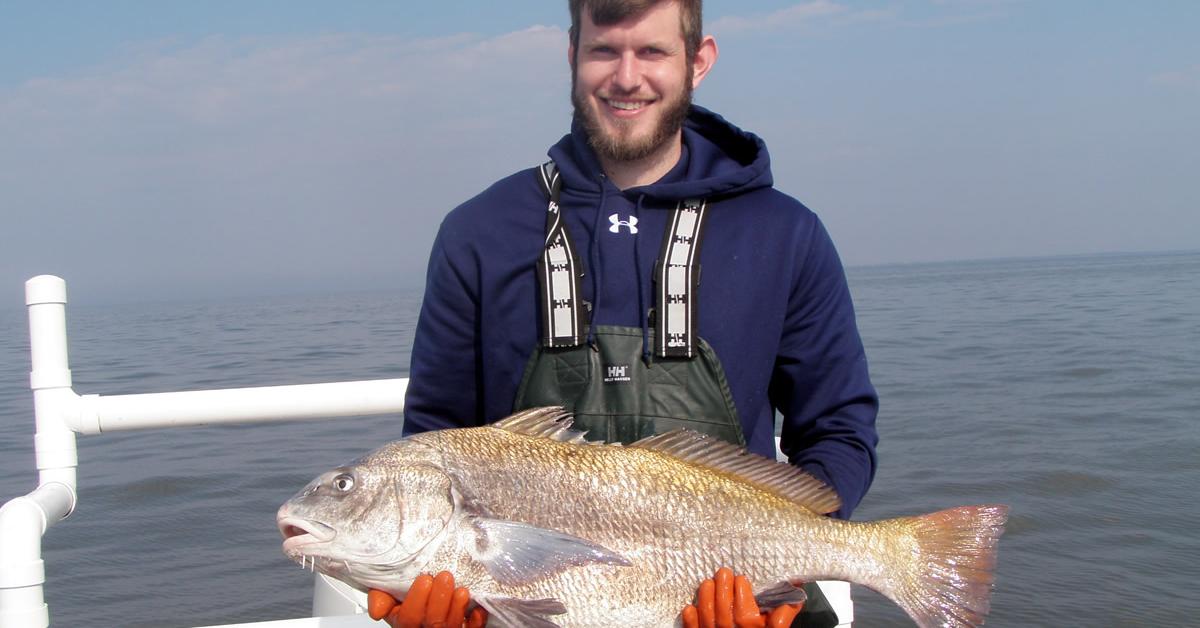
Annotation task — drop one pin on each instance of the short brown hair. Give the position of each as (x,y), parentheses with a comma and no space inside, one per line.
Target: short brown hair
(606,12)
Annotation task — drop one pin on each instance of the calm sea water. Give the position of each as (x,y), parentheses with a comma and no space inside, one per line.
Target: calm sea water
(1066,387)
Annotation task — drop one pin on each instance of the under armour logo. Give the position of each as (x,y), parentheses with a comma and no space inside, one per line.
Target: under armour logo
(617,223)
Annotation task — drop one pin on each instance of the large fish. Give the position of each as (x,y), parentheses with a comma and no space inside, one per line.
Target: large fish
(549,530)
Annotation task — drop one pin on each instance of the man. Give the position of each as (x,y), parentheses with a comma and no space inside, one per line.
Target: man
(651,277)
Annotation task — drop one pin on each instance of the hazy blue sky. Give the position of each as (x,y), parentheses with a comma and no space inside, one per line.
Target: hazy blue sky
(166,148)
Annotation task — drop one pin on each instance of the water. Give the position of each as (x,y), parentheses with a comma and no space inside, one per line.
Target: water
(1068,388)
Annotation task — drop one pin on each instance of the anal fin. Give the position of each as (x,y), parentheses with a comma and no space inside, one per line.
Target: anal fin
(515,613)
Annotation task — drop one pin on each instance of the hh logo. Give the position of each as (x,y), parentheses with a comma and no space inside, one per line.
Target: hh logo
(617,223)
(616,373)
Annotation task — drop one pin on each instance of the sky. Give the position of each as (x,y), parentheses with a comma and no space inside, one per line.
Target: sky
(157,149)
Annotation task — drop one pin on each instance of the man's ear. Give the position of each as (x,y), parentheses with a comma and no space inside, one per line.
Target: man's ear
(571,56)
(706,56)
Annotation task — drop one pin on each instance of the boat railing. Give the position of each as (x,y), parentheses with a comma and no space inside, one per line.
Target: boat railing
(60,413)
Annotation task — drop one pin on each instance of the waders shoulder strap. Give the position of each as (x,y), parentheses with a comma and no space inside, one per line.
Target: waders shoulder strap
(559,269)
(676,278)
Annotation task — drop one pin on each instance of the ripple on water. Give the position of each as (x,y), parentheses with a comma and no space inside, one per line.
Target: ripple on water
(1065,483)
(1086,372)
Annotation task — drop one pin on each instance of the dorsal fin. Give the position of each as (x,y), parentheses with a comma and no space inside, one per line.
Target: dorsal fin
(553,422)
(785,480)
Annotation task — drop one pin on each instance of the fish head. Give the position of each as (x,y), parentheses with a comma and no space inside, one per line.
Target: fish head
(373,523)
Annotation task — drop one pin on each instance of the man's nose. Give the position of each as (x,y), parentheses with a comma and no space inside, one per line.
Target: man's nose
(628,76)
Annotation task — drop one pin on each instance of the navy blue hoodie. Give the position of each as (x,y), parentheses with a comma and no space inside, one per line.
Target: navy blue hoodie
(774,304)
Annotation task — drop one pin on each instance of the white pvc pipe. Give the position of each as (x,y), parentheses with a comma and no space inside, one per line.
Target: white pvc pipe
(23,521)
(268,403)
(50,379)
(46,298)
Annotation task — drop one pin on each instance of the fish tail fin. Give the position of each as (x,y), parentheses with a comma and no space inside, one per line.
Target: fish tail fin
(948,581)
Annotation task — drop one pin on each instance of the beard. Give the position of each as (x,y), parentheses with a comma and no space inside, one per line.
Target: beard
(617,145)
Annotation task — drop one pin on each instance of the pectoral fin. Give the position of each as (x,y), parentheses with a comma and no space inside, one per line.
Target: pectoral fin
(780,594)
(514,613)
(516,553)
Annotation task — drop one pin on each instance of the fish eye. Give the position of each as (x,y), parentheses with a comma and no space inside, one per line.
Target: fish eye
(344,482)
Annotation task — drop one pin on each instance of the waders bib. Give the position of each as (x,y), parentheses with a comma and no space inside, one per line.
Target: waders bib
(617,392)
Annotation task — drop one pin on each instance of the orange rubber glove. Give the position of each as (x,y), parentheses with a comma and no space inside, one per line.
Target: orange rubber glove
(726,601)
(431,603)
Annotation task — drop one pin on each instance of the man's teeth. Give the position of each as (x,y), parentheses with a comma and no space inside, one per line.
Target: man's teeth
(627,106)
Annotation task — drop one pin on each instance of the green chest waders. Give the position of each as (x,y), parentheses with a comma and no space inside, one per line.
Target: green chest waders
(615,394)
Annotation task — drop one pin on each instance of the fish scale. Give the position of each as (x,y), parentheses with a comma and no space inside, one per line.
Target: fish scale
(547,530)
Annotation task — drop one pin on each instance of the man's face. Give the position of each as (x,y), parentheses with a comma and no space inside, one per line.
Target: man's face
(632,83)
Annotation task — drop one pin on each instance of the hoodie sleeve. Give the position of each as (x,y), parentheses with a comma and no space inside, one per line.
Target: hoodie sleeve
(444,377)
(820,381)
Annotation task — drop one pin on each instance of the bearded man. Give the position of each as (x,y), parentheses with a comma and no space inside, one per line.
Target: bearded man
(578,283)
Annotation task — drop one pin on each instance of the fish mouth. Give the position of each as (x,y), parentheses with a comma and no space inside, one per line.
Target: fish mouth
(300,533)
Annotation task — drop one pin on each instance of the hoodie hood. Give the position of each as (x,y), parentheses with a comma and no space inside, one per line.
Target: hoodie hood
(718,159)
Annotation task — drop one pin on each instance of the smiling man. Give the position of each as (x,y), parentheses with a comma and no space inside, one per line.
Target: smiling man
(649,276)
(631,86)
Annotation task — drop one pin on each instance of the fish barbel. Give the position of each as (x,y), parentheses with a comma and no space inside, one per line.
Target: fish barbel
(546,529)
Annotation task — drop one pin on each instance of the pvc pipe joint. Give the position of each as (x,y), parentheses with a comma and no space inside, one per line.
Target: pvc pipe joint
(22,524)
(23,521)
